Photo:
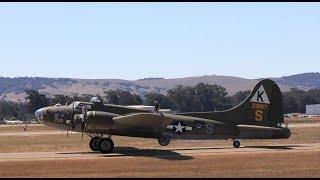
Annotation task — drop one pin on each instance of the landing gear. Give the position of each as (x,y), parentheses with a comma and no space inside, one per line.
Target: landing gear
(94,143)
(236,143)
(100,142)
(163,141)
(106,145)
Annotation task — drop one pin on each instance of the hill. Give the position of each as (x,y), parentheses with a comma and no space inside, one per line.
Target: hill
(304,81)
(12,89)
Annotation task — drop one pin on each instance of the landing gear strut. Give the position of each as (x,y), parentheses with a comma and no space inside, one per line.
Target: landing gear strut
(236,143)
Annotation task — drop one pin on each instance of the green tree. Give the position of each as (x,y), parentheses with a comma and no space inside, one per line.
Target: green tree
(15,110)
(136,99)
(85,97)
(239,97)
(61,99)
(289,102)
(184,98)
(202,97)
(219,97)
(164,101)
(35,100)
(121,97)
(296,100)
(112,97)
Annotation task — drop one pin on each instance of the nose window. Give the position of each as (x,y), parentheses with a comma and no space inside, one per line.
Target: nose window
(39,114)
(56,116)
(59,117)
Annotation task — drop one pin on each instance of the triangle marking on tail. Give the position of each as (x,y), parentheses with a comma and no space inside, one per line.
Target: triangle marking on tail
(260,96)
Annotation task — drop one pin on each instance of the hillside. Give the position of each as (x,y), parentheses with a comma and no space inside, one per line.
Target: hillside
(304,81)
(13,88)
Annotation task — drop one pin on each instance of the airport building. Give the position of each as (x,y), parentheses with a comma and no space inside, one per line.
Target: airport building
(313,109)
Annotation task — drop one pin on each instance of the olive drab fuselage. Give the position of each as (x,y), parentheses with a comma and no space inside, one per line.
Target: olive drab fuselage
(258,117)
(106,119)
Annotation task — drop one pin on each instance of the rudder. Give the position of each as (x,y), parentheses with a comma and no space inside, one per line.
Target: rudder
(262,107)
(264,104)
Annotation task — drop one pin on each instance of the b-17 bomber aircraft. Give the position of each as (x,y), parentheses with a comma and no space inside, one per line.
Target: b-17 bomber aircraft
(259,116)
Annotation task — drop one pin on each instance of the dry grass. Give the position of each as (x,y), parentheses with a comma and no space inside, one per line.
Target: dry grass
(20,128)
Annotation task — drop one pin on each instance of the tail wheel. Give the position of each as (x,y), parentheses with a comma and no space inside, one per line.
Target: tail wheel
(94,143)
(163,141)
(236,144)
(106,145)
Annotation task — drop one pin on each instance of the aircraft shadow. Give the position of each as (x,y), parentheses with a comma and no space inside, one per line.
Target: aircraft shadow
(153,153)
(289,147)
(200,148)
(135,152)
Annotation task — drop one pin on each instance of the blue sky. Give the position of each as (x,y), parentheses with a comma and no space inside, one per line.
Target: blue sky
(170,40)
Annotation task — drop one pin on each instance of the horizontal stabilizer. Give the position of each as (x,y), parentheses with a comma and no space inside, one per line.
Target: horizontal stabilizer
(253,127)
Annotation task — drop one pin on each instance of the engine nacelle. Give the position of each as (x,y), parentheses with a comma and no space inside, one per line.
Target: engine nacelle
(99,119)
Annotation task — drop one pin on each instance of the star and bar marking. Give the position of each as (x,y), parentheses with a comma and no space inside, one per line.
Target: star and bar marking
(179,127)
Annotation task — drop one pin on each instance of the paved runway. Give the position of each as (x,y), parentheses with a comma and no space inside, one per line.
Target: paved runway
(294,125)
(252,159)
(127,152)
(37,133)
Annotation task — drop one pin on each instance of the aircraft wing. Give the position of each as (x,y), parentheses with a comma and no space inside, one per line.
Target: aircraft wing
(143,120)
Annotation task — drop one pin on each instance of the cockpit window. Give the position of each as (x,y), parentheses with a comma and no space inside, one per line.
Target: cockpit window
(79,105)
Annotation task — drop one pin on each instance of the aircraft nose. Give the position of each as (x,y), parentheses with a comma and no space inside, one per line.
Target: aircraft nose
(39,114)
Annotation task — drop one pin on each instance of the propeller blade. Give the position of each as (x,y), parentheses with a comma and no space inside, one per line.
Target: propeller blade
(84,115)
(82,129)
(82,136)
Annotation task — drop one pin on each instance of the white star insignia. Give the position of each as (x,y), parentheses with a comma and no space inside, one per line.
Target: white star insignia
(179,128)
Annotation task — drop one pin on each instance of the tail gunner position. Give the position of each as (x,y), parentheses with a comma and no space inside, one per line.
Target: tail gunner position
(259,116)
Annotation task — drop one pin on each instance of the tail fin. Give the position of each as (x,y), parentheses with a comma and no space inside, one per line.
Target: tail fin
(262,107)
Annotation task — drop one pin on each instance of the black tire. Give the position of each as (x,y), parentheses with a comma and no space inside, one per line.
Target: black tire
(164,141)
(106,145)
(94,143)
(236,144)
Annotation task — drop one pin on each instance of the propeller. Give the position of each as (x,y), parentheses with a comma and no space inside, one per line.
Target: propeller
(71,125)
(83,124)
(77,119)
(156,106)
